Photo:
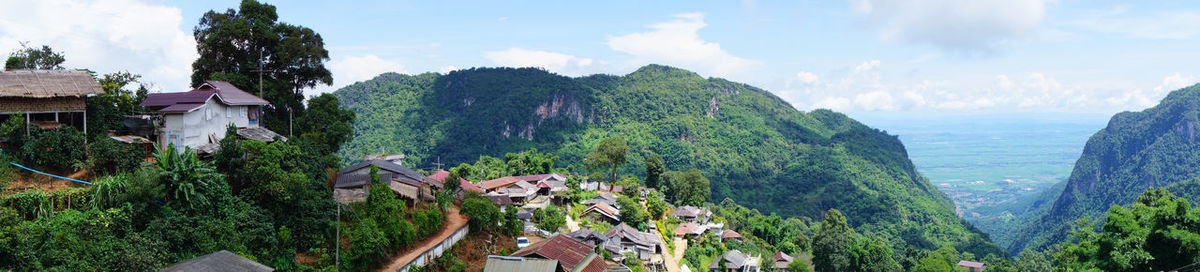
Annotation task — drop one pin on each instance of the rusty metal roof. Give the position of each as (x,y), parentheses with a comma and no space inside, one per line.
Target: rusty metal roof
(568,252)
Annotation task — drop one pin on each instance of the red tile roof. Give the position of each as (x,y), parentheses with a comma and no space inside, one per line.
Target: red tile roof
(471,187)
(441,175)
(687,228)
(497,183)
(730,234)
(568,252)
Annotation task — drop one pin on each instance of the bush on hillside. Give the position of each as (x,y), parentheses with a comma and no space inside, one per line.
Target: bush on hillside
(55,149)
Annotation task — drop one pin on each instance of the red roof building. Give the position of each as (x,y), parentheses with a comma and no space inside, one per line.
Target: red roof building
(571,255)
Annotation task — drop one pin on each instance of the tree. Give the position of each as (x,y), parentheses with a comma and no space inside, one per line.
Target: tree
(107,111)
(655,205)
(798,266)
(529,162)
(1030,260)
(32,58)
(608,154)
(832,242)
(632,212)
(689,188)
(1158,232)
(551,218)
(453,182)
(654,170)
(232,44)
(483,213)
(326,124)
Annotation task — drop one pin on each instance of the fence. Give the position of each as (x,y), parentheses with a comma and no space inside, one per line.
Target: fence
(433,253)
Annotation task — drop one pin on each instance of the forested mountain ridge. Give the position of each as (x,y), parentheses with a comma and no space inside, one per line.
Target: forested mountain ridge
(756,148)
(1156,147)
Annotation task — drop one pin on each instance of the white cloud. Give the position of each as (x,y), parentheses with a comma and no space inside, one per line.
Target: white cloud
(959,26)
(1158,25)
(867,87)
(352,69)
(449,68)
(105,36)
(807,78)
(551,61)
(678,43)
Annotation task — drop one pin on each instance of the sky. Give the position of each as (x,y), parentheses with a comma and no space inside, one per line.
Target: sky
(864,57)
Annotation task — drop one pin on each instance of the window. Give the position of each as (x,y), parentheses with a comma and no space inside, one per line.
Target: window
(243,110)
(207,113)
(228,112)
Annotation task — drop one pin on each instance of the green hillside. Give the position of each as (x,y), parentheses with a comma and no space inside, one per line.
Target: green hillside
(756,148)
(1155,147)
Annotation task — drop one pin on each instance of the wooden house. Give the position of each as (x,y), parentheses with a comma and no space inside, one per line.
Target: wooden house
(355,180)
(199,118)
(625,239)
(47,98)
(736,261)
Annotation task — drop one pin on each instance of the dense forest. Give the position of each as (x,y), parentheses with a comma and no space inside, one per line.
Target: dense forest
(1155,147)
(755,148)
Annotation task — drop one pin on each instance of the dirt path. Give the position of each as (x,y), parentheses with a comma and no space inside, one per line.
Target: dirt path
(454,220)
(671,260)
(572,226)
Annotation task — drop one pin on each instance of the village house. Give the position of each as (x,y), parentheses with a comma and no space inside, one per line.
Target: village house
(730,235)
(690,214)
(571,255)
(548,184)
(463,184)
(601,212)
(199,118)
(354,181)
(47,99)
(781,261)
(589,236)
(625,239)
(688,230)
(218,261)
(519,264)
(515,189)
(605,198)
(736,261)
(971,266)
(589,185)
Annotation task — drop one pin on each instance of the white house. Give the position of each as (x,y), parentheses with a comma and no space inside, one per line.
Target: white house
(198,118)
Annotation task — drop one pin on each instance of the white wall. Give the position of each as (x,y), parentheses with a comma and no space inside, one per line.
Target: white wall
(193,128)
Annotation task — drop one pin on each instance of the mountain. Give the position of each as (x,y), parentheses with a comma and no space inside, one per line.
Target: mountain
(754,147)
(1156,147)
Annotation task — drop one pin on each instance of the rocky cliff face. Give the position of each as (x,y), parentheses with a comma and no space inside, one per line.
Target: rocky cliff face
(1136,151)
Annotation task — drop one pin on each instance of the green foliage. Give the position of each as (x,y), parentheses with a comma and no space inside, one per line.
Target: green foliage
(529,162)
(654,170)
(56,149)
(1136,151)
(755,149)
(483,214)
(656,207)
(610,154)
(110,157)
(551,218)
(1157,232)
(33,58)
(232,43)
(688,188)
(832,244)
(798,266)
(186,180)
(632,212)
(326,124)
(106,112)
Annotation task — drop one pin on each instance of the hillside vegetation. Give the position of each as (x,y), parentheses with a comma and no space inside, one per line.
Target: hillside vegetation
(755,148)
(1155,147)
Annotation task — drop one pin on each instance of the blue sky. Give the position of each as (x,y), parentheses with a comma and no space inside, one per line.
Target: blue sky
(862,56)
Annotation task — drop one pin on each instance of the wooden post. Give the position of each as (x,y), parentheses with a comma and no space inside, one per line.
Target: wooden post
(26,123)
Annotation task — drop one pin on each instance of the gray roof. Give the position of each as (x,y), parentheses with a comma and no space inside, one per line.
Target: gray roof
(259,133)
(733,259)
(48,83)
(519,264)
(219,261)
(402,173)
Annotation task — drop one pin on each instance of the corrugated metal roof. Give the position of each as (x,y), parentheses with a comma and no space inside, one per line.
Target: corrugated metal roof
(231,94)
(518,264)
(181,107)
(168,99)
(567,251)
(48,83)
(217,262)
(497,183)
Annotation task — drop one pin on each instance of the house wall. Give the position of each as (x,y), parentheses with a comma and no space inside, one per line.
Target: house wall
(192,129)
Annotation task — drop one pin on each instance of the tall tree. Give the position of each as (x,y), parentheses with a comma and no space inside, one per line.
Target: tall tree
(654,170)
(608,154)
(326,124)
(689,188)
(233,43)
(33,58)
(832,243)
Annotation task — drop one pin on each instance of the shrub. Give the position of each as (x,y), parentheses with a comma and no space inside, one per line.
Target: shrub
(56,149)
(109,157)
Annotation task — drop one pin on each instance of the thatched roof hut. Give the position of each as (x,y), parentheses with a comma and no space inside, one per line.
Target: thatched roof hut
(49,98)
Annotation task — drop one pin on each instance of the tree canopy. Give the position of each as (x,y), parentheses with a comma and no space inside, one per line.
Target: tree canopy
(33,58)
